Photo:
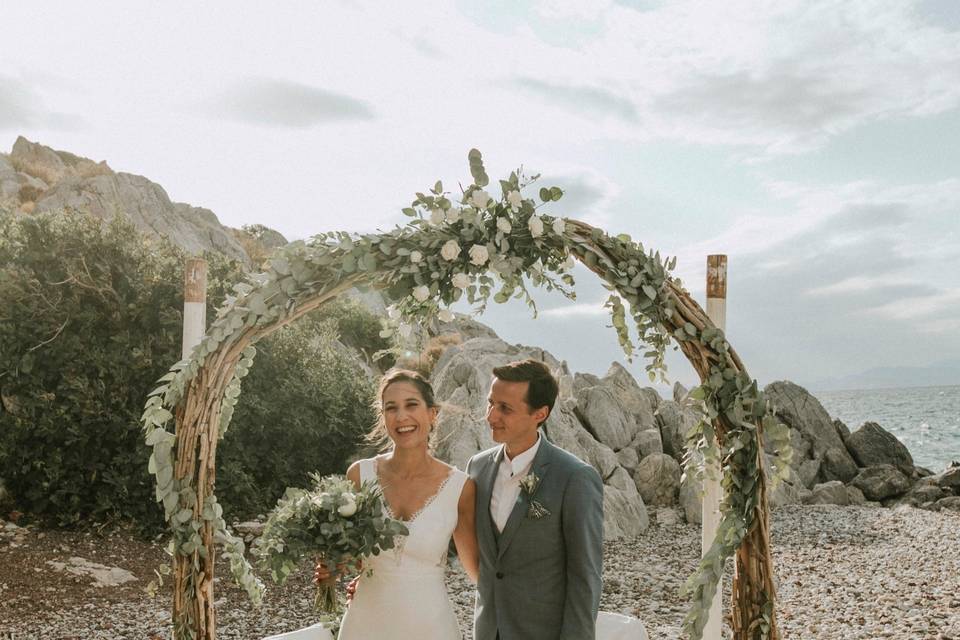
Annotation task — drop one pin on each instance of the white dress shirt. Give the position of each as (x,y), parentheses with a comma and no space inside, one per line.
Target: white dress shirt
(506,487)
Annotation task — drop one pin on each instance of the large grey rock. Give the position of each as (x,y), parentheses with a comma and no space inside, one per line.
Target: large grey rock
(949,479)
(628,458)
(624,516)
(842,430)
(881,482)
(922,493)
(658,479)
(680,393)
(833,492)
(605,417)
(855,496)
(636,401)
(871,445)
(674,421)
(808,472)
(648,442)
(799,410)
(951,503)
(691,499)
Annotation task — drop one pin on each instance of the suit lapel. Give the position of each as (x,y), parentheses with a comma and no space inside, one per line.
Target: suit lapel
(540,467)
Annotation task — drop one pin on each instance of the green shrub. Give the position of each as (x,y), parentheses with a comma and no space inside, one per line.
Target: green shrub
(90,317)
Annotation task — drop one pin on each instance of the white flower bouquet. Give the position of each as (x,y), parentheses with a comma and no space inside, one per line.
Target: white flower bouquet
(332,521)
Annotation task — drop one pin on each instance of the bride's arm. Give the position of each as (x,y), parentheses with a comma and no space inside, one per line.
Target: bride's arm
(353,474)
(465,535)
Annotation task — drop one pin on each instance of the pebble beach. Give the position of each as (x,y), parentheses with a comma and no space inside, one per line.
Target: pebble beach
(843,572)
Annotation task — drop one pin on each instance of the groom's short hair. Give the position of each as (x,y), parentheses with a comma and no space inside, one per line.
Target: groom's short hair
(543,388)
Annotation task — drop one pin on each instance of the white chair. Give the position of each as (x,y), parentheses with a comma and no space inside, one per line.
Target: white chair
(613,626)
(315,632)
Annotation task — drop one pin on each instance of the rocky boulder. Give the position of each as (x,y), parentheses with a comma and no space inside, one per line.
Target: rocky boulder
(603,415)
(674,421)
(871,445)
(658,479)
(833,492)
(691,499)
(951,503)
(949,479)
(800,411)
(881,482)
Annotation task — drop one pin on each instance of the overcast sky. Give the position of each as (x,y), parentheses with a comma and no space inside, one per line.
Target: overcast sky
(817,143)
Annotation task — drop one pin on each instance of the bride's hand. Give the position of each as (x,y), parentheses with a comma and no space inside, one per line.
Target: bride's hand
(321,573)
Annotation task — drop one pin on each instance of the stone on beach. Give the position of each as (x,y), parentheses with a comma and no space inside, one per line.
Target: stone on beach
(881,482)
(871,445)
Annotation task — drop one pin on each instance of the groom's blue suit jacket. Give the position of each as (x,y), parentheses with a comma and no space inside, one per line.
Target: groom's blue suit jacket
(540,578)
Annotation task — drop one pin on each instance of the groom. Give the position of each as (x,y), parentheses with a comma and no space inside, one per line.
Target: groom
(539,519)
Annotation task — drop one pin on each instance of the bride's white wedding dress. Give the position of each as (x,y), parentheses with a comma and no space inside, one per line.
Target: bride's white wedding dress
(405,597)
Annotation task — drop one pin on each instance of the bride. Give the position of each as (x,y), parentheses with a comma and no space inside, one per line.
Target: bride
(405,595)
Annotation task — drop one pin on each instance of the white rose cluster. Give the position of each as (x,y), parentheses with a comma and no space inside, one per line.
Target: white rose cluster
(421,293)
(535,225)
(514,199)
(479,255)
(480,199)
(450,250)
(559,226)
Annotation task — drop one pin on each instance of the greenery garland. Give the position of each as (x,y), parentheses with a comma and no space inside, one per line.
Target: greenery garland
(474,248)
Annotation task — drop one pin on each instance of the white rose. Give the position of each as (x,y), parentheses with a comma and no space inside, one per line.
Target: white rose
(559,226)
(535,224)
(504,225)
(514,199)
(393,312)
(421,293)
(445,315)
(480,198)
(479,255)
(436,216)
(453,215)
(567,264)
(348,509)
(415,257)
(450,250)
(460,280)
(405,330)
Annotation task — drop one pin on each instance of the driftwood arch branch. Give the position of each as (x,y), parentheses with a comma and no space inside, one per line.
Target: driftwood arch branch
(450,251)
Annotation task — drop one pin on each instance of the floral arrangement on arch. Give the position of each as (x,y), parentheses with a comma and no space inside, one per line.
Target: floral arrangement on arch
(473,245)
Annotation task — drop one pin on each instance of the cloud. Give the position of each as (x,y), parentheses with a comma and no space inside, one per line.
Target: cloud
(587,194)
(21,107)
(281,103)
(577,310)
(582,99)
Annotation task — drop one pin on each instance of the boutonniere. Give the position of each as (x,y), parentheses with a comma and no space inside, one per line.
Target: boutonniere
(529,484)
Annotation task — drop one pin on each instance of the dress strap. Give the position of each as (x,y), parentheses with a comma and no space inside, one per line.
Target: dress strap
(368,470)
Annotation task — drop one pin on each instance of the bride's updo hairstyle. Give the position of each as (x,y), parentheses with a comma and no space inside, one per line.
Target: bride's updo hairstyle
(378,436)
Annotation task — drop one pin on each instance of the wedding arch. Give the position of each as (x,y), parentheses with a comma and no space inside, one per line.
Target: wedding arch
(475,247)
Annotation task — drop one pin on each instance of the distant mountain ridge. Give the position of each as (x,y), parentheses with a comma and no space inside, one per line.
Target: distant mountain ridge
(939,374)
(35,178)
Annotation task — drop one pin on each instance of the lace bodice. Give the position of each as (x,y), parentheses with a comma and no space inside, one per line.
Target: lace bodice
(425,548)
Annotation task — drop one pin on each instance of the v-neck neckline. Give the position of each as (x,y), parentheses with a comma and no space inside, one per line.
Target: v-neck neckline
(416,514)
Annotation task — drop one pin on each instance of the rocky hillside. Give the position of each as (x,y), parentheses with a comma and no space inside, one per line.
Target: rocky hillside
(35,178)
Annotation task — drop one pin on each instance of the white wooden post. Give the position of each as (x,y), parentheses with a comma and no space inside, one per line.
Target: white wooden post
(717,311)
(194,303)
